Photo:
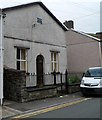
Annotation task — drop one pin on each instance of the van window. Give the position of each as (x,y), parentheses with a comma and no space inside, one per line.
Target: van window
(94,72)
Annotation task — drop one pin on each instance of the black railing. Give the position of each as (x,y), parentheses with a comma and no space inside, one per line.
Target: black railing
(63,81)
(67,81)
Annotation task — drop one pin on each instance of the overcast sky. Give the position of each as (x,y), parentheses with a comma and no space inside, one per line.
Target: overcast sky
(84,13)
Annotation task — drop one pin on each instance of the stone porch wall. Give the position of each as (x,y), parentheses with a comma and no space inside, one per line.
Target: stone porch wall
(15,87)
(14,84)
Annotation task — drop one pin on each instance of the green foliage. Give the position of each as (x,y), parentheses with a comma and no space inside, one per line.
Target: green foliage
(94,35)
(73,79)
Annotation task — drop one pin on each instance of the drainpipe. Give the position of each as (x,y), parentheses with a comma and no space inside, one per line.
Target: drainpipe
(1,57)
(99,44)
(100,52)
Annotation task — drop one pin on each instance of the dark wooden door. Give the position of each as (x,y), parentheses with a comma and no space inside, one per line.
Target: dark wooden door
(39,63)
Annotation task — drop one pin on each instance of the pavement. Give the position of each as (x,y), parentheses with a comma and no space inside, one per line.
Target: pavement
(11,108)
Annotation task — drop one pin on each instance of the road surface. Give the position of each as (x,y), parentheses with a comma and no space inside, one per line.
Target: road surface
(90,108)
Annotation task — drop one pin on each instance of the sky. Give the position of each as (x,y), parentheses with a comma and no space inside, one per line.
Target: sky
(84,13)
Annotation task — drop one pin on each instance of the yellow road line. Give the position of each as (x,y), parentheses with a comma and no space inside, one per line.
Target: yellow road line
(48,109)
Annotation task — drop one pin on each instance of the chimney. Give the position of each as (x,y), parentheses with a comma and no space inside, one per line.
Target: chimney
(69,24)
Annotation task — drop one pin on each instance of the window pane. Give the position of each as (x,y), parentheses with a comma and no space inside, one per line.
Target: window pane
(21,61)
(18,53)
(23,54)
(52,66)
(54,56)
(18,65)
(55,67)
(23,65)
(54,61)
(51,56)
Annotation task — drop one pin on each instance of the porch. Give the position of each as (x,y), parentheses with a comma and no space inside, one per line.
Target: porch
(22,87)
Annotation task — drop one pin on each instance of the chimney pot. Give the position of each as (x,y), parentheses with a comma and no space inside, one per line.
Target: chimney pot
(69,24)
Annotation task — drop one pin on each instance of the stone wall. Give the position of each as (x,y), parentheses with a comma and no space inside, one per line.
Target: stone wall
(73,88)
(40,93)
(15,87)
(14,84)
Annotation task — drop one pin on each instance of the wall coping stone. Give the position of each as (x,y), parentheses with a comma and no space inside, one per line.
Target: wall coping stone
(32,89)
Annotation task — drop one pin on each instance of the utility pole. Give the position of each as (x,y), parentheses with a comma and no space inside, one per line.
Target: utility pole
(1,56)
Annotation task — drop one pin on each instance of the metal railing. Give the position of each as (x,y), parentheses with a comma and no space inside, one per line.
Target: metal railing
(48,79)
(31,80)
(57,79)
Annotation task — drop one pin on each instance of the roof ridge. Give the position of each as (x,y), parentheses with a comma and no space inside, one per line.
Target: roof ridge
(21,5)
(87,35)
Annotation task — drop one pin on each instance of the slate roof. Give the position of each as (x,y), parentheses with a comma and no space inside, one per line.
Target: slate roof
(87,35)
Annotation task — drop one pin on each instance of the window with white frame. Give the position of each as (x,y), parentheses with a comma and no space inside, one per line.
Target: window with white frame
(21,59)
(55,61)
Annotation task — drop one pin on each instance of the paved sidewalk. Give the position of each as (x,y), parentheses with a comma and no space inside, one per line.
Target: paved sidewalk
(10,108)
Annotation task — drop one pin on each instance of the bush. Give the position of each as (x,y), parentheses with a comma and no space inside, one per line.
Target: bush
(73,79)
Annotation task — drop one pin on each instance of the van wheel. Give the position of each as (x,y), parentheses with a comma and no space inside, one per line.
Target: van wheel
(84,94)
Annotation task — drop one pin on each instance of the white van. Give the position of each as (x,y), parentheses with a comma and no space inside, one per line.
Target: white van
(91,82)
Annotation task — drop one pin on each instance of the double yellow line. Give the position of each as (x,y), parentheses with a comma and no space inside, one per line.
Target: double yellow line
(26,115)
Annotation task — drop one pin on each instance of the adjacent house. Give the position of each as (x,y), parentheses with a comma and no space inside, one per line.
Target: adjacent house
(83,51)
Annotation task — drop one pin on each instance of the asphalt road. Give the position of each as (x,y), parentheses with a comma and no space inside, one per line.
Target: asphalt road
(87,109)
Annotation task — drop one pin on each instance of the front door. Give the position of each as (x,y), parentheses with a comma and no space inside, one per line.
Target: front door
(39,69)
